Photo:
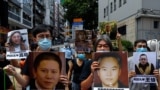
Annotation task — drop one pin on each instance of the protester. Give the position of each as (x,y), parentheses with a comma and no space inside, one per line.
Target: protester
(3,60)
(140,46)
(76,66)
(69,54)
(109,70)
(43,36)
(101,45)
(5,81)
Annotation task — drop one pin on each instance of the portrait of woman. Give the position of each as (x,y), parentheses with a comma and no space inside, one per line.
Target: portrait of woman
(81,42)
(16,42)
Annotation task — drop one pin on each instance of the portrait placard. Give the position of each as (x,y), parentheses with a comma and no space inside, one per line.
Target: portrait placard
(112,73)
(144,63)
(32,55)
(47,66)
(17,44)
(83,40)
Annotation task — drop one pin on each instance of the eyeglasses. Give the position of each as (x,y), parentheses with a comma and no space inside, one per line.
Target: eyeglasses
(140,46)
(44,36)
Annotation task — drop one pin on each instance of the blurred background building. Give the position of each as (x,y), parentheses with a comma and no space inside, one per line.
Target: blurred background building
(18,14)
(137,19)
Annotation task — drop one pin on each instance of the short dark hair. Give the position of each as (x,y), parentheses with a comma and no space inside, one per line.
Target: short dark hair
(46,56)
(41,28)
(140,40)
(142,55)
(111,54)
(108,42)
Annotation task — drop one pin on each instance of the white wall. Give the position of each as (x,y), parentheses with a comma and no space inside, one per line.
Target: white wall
(151,4)
(120,13)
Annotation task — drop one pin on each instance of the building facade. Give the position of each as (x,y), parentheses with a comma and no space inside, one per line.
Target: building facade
(58,23)
(136,19)
(18,14)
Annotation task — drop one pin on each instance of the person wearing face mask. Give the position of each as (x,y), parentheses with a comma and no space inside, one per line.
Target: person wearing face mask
(140,46)
(69,54)
(76,66)
(43,37)
(102,44)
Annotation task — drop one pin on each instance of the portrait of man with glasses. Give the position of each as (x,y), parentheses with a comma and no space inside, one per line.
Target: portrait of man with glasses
(144,67)
(145,64)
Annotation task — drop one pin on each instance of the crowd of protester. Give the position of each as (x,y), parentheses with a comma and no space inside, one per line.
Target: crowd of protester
(45,69)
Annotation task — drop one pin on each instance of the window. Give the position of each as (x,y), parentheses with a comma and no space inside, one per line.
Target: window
(27,17)
(107,11)
(156,24)
(104,12)
(114,5)
(122,30)
(14,9)
(124,1)
(111,7)
(120,3)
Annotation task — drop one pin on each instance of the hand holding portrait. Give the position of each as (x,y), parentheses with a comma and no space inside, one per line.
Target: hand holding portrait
(94,66)
(10,70)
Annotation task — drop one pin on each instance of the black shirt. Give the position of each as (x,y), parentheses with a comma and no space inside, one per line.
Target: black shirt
(86,71)
(5,81)
(32,85)
(77,71)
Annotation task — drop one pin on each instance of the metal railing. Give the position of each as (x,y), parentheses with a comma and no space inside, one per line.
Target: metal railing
(14,16)
(149,11)
(26,22)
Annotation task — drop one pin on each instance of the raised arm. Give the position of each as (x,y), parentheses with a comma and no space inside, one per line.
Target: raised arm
(70,69)
(120,48)
(87,83)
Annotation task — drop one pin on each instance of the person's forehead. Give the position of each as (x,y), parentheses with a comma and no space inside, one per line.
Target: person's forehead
(108,60)
(48,61)
(102,42)
(80,51)
(16,34)
(141,43)
(143,56)
(45,32)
